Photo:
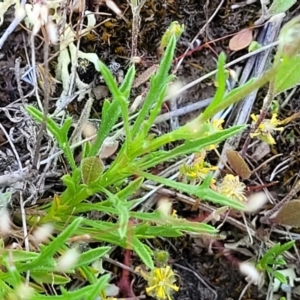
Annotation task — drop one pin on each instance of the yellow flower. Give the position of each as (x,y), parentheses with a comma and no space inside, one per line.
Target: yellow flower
(161,283)
(232,188)
(216,126)
(266,128)
(199,169)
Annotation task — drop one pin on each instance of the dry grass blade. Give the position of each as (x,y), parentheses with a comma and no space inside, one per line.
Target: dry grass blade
(145,76)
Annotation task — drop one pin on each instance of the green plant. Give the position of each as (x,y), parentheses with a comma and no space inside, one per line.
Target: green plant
(273,259)
(140,151)
(43,269)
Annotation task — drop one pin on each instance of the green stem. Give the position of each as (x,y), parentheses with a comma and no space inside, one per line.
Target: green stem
(240,93)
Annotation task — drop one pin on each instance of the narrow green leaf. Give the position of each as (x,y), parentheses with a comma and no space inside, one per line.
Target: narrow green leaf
(280,261)
(4,289)
(98,287)
(126,85)
(122,212)
(200,191)
(86,293)
(158,231)
(51,125)
(280,277)
(110,114)
(47,252)
(154,112)
(90,256)
(65,129)
(280,6)
(221,82)
(165,65)
(285,247)
(86,148)
(235,95)
(130,189)
(60,134)
(123,220)
(190,146)
(14,274)
(20,255)
(144,252)
(177,227)
(157,83)
(109,80)
(42,277)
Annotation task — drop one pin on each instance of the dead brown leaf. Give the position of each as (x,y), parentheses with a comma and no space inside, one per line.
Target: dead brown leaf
(241,40)
(238,164)
(289,214)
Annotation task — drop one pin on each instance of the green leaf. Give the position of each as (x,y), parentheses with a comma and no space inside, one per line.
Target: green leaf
(60,134)
(288,75)
(190,146)
(69,183)
(43,277)
(174,227)
(110,114)
(157,231)
(123,220)
(122,212)
(51,125)
(130,189)
(279,276)
(144,252)
(4,289)
(154,112)
(280,6)
(47,252)
(126,85)
(280,261)
(90,256)
(157,83)
(221,88)
(86,148)
(20,255)
(271,256)
(109,80)
(285,247)
(91,169)
(65,128)
(98,287)
(202,191)
(90,292)
(14,274)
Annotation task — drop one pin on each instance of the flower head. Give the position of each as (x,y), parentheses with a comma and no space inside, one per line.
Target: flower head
(198,170)
(232,188)
(161,257)
(161,283)
(216,125)
(266,128)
